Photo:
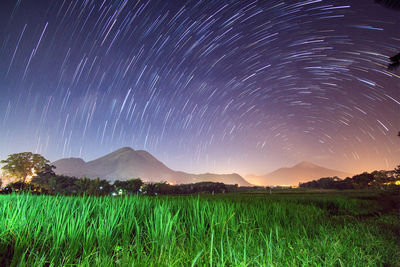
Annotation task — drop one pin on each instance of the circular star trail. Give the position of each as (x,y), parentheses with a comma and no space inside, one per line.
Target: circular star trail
(219,86)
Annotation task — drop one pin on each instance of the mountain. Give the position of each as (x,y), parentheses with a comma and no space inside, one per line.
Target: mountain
(127,163)
(302,172)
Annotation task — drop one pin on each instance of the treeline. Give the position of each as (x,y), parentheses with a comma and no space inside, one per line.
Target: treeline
(35,174)
(376,179)
(53,184)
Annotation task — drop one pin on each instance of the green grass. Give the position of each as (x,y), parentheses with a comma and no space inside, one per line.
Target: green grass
(290,229)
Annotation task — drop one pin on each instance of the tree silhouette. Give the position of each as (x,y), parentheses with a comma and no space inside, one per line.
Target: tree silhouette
(397,170)
(130,186)
(395,62)
(25,165)
(392,4)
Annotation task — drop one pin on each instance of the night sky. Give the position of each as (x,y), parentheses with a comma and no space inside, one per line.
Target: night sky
(217,86)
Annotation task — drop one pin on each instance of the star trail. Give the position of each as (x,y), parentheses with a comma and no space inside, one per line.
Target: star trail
(218,86)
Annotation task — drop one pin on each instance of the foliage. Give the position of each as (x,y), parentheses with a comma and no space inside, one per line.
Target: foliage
(332,229)
(395,62)
(24,165)
(201,187)
(19,186)
(363,179)
(83,185)
(397,172)
(393,4)
(98,187)
(376,179)
(130,186)
(330,183)
(150,189)
(56,184)
(163,188)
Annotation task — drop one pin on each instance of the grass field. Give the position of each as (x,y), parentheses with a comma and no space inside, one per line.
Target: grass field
(292,229)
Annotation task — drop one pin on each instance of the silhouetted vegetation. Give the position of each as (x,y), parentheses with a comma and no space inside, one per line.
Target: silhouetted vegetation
(52,184)
(25,165)
(395,62)
(376,179)
(19,186)
(392,4)
(45,181)
(130,186)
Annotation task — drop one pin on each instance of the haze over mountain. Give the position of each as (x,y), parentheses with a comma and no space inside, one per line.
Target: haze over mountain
(302,172)
(127,163)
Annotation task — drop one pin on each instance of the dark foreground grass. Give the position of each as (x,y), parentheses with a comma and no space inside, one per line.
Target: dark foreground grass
(328,229)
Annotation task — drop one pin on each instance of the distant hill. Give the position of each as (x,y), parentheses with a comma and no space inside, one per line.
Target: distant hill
(302,172)
(127,163)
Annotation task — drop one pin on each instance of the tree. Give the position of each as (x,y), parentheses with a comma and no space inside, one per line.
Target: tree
(83,185)
(397,170)
(98,187)
(150,188)
(56,184)
(163,188)
(346,184)
(395,62)
(128,187)
(25,165)
(397,173)
(393,4)
(363,180)
(380,178)
(326,183)
(19,186)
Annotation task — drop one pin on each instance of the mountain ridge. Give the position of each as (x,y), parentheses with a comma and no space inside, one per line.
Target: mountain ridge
(301,172)
(126,163)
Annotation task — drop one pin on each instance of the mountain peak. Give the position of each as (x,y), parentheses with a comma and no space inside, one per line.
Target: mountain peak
(306,164)
(125,149)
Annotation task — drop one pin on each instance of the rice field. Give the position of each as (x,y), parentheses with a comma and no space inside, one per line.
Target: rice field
(294,229)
